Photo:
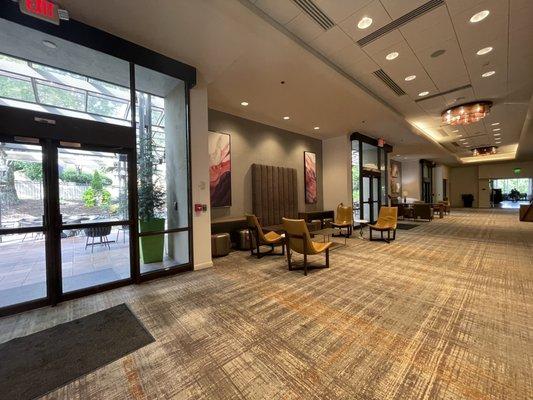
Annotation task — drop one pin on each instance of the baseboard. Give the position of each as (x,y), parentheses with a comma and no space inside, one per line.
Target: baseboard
(204,265)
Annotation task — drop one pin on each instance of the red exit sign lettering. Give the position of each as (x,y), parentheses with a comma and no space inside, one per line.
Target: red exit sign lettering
(42,9)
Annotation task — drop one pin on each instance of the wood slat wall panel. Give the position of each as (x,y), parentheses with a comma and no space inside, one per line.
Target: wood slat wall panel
(274,193)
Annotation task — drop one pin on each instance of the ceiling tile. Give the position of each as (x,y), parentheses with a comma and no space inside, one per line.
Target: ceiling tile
(339,10)
(282,11)
(431,27)
(331,41)
(396,8)
(448,71)
(373,10)
(305,28)
(384,43)
(348,56)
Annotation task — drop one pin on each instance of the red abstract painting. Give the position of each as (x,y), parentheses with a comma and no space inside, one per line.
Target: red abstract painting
(220,169)
(311,192)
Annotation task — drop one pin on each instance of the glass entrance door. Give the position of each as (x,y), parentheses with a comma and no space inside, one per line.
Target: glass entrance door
(93,217)
(23,272)
(64,221)
(370,195)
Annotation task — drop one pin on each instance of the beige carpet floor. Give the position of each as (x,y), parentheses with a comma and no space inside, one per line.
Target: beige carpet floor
(444,312)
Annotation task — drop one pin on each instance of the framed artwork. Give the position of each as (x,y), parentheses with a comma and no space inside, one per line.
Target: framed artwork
(219,145)
(395,178)
(311,192)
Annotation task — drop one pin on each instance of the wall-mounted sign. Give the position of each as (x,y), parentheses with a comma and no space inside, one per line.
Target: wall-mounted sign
(42,9)
(517,171)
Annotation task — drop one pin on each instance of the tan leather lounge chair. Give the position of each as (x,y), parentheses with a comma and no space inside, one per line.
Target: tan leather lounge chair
(271,239)
(387,222)
(344,219)
(299,240)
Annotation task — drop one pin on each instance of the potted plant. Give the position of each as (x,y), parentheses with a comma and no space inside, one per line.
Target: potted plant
(151,196)
(514,195)
(468,200)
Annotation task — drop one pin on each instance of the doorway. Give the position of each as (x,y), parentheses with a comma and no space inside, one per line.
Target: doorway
(64,220)
(370,196)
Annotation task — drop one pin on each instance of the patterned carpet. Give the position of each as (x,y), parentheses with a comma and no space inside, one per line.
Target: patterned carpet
(444,312)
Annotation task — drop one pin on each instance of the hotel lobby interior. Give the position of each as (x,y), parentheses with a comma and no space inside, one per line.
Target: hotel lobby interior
(266,199)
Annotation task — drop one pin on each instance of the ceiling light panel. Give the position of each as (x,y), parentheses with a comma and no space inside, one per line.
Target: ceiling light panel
(479,16)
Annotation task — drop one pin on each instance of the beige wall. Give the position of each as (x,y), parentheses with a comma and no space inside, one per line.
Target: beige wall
(440,172)
(505,170)
(336,153)
(473,178)
(463,180)
(411,175)
(200,175)
(252,142)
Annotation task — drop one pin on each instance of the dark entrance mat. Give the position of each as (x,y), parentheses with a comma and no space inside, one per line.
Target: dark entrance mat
(406,227)
(34,365)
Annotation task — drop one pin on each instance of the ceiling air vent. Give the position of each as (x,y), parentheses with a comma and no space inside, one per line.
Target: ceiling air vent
(382,75)
(417,12)
(312,10)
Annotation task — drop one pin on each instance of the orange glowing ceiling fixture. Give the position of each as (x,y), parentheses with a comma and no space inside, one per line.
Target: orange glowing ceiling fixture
(466,113)
(483,151)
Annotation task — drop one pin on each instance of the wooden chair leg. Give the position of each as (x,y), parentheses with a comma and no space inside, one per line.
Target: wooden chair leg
(394,234)
(388,236)
(305,264)
(327,258)
(289,258)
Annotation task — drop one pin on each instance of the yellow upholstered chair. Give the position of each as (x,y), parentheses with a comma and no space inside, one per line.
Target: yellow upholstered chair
(387,222)
(344,219)
(260,238)
(298,239)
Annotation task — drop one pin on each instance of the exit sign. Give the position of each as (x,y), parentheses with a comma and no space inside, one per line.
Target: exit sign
(42,9)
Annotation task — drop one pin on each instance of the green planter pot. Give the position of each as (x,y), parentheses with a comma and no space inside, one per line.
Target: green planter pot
(151,247)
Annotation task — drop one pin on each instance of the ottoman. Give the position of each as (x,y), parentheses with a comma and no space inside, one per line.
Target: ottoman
(220,244)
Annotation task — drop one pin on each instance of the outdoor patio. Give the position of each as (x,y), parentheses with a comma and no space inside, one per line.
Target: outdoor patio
(23,264)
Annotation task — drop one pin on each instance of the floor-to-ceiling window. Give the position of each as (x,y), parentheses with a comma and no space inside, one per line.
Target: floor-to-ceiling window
(89,199)
(511,192)
(369,176)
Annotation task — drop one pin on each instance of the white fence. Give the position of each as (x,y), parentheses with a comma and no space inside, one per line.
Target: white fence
(29,190)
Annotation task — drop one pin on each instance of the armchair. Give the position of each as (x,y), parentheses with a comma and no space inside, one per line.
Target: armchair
(344,219)
(387,222)
(423,211)
(271,239)
(299,240)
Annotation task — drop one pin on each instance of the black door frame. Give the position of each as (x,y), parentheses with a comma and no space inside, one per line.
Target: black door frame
(371,175)
(23,122)
(52,224)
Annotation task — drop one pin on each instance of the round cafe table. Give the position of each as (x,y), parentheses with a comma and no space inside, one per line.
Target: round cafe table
(362,223)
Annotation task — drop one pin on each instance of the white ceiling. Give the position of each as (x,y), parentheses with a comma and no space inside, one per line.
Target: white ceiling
(244,49)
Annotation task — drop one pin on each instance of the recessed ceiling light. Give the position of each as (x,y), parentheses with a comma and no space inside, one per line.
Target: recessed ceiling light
(316,128)
(244,103)
(49,44)
(455,130)
(459,135)
(496,129)
(392,56)
(488,73)
(422,94)
(410,78)
(480,16)
(364,23)
(462,140)
(484,50)
(286,117)
(495,123)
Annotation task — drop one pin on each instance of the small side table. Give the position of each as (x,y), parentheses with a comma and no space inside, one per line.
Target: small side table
(362,223)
